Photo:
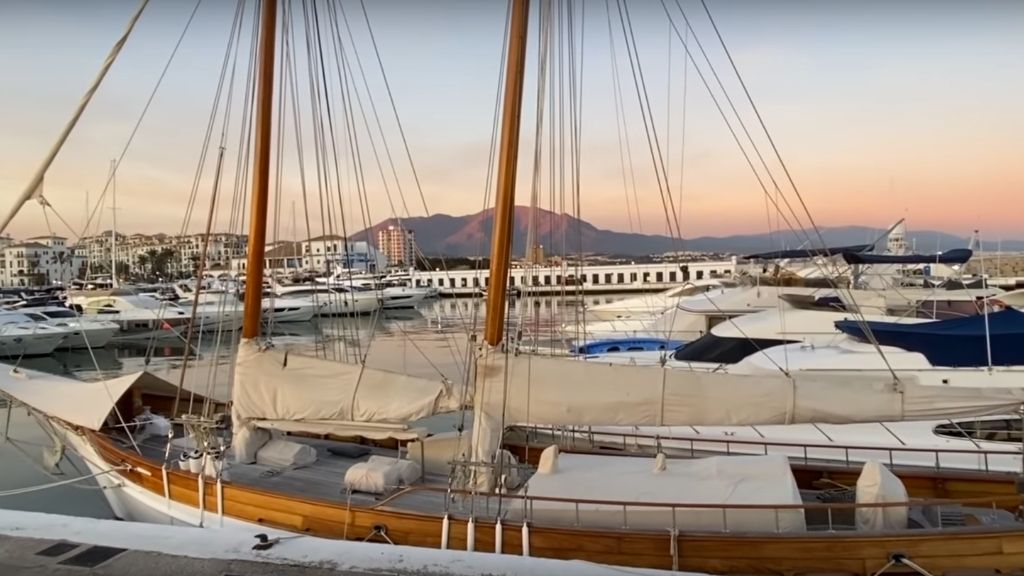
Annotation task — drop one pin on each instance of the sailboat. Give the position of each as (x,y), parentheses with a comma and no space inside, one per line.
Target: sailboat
(288,418)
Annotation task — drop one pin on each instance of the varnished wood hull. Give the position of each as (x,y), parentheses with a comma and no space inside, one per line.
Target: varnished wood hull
(939,551)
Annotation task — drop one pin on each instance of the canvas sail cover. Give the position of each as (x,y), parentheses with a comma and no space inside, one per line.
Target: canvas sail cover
(274,387)
(603,480)
(978,340)
(552,391)
(957,256)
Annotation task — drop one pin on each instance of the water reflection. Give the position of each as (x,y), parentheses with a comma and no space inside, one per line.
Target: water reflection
(437,333)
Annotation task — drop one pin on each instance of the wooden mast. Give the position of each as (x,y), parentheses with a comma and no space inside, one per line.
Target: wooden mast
(508,158)
(260,173)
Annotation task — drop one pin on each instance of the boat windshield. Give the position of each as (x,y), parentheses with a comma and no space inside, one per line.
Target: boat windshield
(720,350)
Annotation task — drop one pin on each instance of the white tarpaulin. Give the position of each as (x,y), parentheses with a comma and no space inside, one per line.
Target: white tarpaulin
(876,485)
(276,385)
(85,404)
(759,480)
(553,391)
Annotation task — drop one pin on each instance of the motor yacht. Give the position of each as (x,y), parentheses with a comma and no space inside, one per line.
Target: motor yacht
(647,305)
(22,337)
(333,300)
(81,332)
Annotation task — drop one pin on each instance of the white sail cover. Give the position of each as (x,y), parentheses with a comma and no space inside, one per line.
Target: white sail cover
(729,480)
(274,386)
(552,391)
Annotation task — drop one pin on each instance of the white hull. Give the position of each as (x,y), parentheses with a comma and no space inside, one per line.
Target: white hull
(290,313)
(29,344)
(403,297)
(134,503)
(343,306)
(89,337)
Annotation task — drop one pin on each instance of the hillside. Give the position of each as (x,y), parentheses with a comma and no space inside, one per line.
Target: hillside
(442,234)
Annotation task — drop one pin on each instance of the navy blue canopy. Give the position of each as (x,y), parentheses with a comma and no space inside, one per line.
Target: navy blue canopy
(809,252)
(957,256)
(955,342)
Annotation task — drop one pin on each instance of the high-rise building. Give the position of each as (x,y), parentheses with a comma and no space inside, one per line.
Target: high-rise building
(398,245)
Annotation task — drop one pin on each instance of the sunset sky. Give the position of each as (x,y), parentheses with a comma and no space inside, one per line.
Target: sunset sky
(881,110)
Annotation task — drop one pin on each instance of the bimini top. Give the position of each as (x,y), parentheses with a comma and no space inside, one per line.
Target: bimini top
(957,256)
(84,404)
(955,342)
(810,252)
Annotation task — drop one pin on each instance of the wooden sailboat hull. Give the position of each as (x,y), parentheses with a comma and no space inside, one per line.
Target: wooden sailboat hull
(939,551)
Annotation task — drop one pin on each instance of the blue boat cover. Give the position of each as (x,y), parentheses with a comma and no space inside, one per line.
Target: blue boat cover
(957,256)
(954,342)
(809,252)
(626,345)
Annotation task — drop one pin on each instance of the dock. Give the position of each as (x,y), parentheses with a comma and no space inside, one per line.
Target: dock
(37,544)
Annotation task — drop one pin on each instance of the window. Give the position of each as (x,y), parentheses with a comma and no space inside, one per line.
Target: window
(621,278)
(700,274)
(996,430)
(718,350)
(547,280)
(659,277)
(594,278)
(476,282)
(607,278)
(632,276)
(465,283)
(647,277)
(672,276)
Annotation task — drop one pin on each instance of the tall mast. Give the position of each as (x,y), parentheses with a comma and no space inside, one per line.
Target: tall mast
(508,158)
(113,225)
(261,173)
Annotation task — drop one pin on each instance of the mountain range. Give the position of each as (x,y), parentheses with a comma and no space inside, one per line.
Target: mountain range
(442,234)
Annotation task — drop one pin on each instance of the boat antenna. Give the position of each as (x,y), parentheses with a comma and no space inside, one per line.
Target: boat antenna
(113,226)
(508,159)
(35,185)
(261,173)
(985,303)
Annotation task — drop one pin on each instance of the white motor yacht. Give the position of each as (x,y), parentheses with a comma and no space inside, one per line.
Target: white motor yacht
(393,294)
(807,339)
(26,338)
(82,332)
(647,305)
(135,315)
(334,301)
(229,308)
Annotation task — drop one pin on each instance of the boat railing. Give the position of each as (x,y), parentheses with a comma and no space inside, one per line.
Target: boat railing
(828,517)
(975,459)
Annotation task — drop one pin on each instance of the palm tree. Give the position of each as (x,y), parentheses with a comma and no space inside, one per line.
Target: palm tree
(163,258)
(143,262)
(151,255)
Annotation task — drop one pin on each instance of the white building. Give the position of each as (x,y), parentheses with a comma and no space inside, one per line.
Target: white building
(179,255)
(398,245)
(321,255)
(38,261)
(327,253)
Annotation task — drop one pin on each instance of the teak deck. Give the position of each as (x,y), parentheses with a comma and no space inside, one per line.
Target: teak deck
(944,551)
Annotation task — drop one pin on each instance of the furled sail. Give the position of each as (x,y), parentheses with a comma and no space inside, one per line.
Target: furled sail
(551,391)
(286,391)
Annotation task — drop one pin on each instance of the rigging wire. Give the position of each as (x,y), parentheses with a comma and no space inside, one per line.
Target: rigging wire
(861,319)
(654,146)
